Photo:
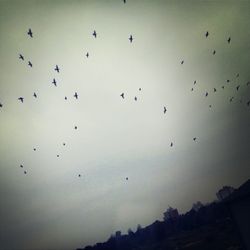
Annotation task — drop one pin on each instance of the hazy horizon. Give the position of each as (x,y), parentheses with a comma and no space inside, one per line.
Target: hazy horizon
(51,207)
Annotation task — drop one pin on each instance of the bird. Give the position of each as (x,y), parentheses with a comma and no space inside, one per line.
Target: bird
(210,106)
(76,95)
(21,166)
(182,61)
(57,155)
(206,34)
(34,149)
(165,110)
(54,82)
(65,98)
(229,40)
(194,139)
(206,94)
(228,80)
(231,99)
(135,98)
(21,99)
(223,87)
(79,175)
(75,127)
(35,95)
(64,144)
(131,38)
(1,105)
(171,144)
(57,69)
(21,57)
(194,82)
(124,1)
(122,95)
(215,90)
(126,178)
(87,55)
(214,52)
(30,64)
(30,33)
(192,89)
(94,34)
(25,172)
(139,89)
(237,88)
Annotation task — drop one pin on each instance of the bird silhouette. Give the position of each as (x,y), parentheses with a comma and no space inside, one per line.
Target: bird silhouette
(131,38)
(76,95)
(206,34)
(223,87)
(54,82)
(79,175)
(124,1)
(21,57)
(30,64)
(215,90)
(122,95)
(231,99)
(182,61)
(135,98)
(171,144)
(206,94)
(30,33)
(1,105)
(210,106)
(57,155)
(164,110)
(75,127)
(194,139)
(126,178)
(21,166)
(64,144)
(139,89)
(214,52)
(25,172)
(192,89)
(21,99)
(65,98)
(228,80)
(229,40)
(87,55)
(34,149)
(35,95)
(94,34)
(237,88)
(194,82)
(57,69)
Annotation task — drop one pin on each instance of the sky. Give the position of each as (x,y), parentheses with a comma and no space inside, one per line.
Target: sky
(52,208)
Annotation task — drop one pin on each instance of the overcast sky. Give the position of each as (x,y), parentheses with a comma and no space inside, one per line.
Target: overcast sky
(51,207)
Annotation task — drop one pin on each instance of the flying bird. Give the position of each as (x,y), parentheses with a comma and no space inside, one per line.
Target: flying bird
(231,99)
(34,149)
(30,64)
(87,55)
(194,139)
(21,99)
(215,90)
(35,95)
(131,38)
(223,87)
(214,52)
(1,105)
(228,80)
(206,94)
(76,95)
(94,34)
(122,95)
(192,89)
(194,82)
(171,144)
(124,1)
(30,33)
(237,88)
(126,178)
(25,172)
(165,110)
(182,61)
(135,98)
(65,98)
(21,166)
(229,40)
(139,89)
(54,82)
(57,155)
(64,144)
(206,34)
(21,57)
(75,127)
(57,69)
(79,175)
(210,106)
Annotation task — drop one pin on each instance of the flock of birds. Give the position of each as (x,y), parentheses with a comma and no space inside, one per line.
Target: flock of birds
(122,95)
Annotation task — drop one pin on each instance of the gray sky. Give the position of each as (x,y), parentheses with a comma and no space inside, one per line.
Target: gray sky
(50,207)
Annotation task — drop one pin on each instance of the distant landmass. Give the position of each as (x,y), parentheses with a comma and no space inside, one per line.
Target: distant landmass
(220,225)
